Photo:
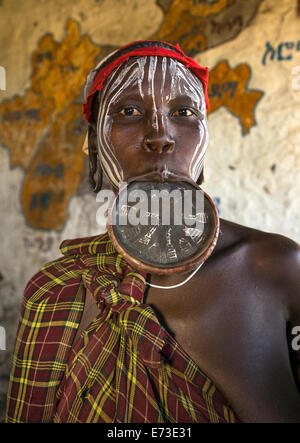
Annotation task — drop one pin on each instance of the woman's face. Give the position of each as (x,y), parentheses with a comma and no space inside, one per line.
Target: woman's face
(152,122)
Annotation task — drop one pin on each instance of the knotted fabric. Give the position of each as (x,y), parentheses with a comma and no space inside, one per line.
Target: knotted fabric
(124,368)
(118,291)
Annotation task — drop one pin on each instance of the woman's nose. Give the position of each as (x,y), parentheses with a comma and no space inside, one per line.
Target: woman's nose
(159,144)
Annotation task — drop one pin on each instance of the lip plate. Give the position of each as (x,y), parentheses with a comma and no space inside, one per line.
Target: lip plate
(189,264)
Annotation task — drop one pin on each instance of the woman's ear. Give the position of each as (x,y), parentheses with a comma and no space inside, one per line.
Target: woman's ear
(92,137)
(95,173)
(90,142)
(85,146)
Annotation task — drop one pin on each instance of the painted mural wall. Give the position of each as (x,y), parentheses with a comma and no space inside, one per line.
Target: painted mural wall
(47,47)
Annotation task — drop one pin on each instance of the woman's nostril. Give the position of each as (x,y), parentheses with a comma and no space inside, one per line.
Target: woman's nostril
(168,147)
(159,146)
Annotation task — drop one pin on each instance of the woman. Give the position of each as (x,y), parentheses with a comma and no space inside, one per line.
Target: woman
(94,345)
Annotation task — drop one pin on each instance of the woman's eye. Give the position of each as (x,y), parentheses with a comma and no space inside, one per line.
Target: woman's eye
(184,112)
(130,111)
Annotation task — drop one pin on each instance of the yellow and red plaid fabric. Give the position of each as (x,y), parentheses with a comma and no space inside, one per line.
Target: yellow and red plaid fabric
(125,367)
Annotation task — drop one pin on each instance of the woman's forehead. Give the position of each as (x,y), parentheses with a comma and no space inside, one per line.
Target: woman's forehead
(154,74)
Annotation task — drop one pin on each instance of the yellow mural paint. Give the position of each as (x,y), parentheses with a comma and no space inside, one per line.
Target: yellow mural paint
(228,87)
(44,129)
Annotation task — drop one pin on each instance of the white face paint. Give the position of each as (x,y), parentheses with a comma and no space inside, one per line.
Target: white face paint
(187,83)
(151,76)
(141,72)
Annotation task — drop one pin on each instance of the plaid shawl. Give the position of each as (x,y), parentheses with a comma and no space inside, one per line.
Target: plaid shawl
(124,368)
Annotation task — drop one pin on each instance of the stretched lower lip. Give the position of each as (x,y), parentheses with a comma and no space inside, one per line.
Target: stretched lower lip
(162,176)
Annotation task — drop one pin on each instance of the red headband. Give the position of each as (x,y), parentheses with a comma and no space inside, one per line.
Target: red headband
(199,71)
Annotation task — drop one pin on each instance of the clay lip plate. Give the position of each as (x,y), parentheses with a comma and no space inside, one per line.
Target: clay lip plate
(135,258)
